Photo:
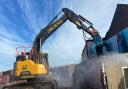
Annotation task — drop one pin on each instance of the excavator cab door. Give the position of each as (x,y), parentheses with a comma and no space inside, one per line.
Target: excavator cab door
(39,57)
(42,58)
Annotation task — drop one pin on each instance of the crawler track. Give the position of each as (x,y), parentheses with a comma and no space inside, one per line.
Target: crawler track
(33,85)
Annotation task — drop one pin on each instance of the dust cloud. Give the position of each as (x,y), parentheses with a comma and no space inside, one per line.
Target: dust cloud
(87,74)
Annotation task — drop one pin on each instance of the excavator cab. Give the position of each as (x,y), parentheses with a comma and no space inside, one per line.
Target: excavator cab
(30,65)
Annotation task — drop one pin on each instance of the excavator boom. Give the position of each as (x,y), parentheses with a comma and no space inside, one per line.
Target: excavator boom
(78,20)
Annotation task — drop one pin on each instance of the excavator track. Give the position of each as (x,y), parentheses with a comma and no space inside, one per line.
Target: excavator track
(33,85)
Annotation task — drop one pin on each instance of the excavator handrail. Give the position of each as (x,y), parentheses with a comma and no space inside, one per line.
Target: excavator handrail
(24,48)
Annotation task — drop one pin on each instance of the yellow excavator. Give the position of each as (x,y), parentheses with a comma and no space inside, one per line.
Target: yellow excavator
(33,67)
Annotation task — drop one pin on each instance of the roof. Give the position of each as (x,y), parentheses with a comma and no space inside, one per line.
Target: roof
(120,20)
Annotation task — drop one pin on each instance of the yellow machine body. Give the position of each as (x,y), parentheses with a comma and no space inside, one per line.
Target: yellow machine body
(28,69)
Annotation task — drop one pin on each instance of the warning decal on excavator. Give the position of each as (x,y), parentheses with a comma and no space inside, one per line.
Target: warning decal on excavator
(24,67)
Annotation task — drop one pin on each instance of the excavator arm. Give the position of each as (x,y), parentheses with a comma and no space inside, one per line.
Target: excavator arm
(78,20)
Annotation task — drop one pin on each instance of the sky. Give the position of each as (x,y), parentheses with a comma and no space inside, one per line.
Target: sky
(21,21)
